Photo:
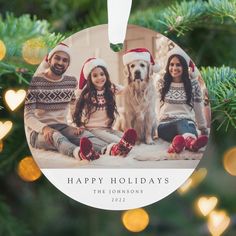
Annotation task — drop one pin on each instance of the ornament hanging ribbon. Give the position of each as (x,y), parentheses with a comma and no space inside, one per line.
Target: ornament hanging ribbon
(118,16)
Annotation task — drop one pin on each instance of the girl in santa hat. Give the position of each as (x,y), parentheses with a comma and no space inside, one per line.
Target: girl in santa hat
(96,108)
(180,107)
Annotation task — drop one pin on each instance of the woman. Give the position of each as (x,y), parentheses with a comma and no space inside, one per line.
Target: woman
(180,108)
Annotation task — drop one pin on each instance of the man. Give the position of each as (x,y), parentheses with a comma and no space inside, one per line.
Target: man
(48,101)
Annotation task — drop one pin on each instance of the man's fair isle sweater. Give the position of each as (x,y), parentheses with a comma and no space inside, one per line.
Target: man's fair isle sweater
(175,107)
(48,101)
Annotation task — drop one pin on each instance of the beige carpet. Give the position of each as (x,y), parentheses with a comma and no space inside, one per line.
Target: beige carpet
(141,156)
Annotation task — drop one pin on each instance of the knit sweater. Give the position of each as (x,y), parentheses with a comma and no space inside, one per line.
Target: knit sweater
(99,118)
(175,107)
(48,101)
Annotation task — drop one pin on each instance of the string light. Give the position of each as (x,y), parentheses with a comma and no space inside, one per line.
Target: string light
(28,170)
(205,205)
(5,128)
(218,222)
(229,161)
(135,220)
(1,145)
(34,50)
(185,187)
(2,50)
(14,98)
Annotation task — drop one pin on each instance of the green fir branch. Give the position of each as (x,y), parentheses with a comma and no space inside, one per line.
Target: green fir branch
(222,8)
(221,84)
(14,32)
(184,16)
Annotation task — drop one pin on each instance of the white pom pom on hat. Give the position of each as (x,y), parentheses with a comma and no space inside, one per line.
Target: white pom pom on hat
(88,66)
(140,54)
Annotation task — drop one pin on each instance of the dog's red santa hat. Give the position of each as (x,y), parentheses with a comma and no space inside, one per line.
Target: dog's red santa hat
(88,66)
(140,54)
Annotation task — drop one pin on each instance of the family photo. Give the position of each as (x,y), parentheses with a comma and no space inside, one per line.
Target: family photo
(143,107)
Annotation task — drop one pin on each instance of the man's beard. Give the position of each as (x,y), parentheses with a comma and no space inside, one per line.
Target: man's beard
(57,71)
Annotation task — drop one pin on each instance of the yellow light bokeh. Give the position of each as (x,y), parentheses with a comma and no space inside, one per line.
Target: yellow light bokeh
(135,220)
(2,50)
(34,50)
(185,187)
(28,170)
(198,176)
(14,98)
(217,223)
(230,161)
(205,205)
(5,128)
(1,145)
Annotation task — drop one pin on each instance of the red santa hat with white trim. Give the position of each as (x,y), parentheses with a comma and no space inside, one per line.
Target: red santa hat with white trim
(140,54)
(87,68)
(61,47)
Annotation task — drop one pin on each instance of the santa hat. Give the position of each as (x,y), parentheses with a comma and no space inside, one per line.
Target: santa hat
(61,47)
(88,66)
(140,54)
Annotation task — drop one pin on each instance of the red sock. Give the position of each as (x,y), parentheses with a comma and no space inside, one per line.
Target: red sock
(177,145)
(126,143)
(194,144)
(86,150)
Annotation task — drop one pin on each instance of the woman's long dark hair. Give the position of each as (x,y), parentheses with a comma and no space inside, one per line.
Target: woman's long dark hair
(88,101)
(185,79)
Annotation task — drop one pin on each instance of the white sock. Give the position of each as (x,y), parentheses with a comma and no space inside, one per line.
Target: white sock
(107,149)
(185,135)
(76,153)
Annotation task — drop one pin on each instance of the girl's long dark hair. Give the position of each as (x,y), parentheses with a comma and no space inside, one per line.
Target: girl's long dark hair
(88,101)
(185,79)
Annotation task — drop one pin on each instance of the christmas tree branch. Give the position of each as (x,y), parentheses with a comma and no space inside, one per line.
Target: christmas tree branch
(14,32)
(221,84)
(184,16)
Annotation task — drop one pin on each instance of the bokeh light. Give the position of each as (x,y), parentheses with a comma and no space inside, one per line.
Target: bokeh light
(28,169)
(2,50)
(230,161)
(185,187)
(198,176)
(5,128)
(205,205)
(1,145)
(135,220)
(34,50)
(14,98)
(217,223)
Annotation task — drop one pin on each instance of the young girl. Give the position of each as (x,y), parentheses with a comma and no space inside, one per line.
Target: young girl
(180,105)
(96,108)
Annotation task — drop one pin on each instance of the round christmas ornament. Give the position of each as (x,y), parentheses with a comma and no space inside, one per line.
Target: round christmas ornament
(117,130)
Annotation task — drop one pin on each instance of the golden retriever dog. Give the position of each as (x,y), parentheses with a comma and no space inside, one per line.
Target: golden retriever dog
(139,100)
